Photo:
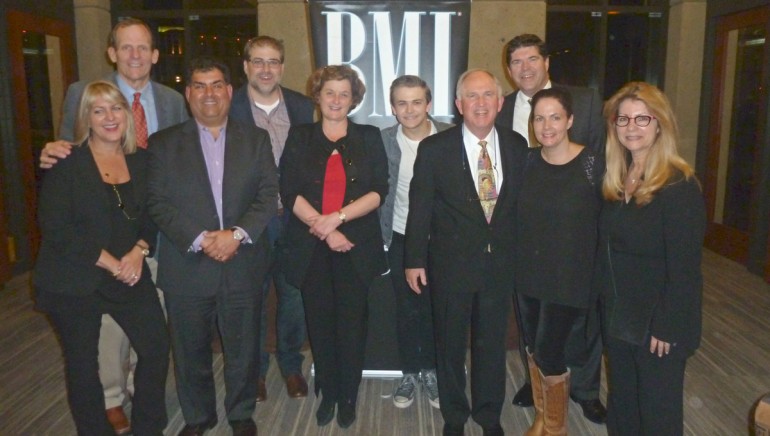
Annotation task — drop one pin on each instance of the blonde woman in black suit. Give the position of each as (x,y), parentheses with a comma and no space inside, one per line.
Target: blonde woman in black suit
(96,234)
(649,263)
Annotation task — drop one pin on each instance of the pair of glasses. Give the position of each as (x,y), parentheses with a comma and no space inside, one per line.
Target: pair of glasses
(121,205)
(262,63)
(639,120)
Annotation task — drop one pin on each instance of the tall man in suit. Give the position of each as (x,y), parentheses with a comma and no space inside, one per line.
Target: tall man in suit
(131,48)
(459,238)
(213,186)
(264,102)
(527,57)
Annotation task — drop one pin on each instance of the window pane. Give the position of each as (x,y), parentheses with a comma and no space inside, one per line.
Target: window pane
(635,50)
(573,40)
(147,5)
(221,4)
(169,40)
(224,37)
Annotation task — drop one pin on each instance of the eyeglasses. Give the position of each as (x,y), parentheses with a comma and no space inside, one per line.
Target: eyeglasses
(639,120)
(262,63)
(121,205)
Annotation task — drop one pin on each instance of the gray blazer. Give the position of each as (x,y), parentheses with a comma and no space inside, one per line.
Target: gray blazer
(169,105)
(390,140)
(182,205)
(588,127)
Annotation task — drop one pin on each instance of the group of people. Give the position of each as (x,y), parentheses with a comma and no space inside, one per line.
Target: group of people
(526,203)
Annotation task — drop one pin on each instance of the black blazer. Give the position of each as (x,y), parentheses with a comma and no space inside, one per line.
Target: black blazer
(446,230)
(299,107)
(588,126)
(303,166)
(74,210)
(649,267)
(182,204)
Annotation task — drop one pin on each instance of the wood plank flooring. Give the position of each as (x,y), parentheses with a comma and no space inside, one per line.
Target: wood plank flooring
(724,380)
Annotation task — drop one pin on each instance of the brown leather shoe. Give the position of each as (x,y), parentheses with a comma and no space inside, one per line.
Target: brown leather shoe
(261,390)
(296,386)
(118,420)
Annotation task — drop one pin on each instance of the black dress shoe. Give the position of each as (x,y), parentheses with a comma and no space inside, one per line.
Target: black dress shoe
(346,413)
(523,397)
(245,427)
(453,429)
(325,412)
(197,429)
(494,430)
(593,410)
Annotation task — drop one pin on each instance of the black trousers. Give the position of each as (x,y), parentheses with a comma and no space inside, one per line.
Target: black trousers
(336,311)
(78,321)
(646,391)
(236,313)
(547,327)
(583,352)
(485,312)
(414,317)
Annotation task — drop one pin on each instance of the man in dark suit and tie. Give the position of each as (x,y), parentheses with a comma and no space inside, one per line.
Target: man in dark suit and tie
(460,239)
(132,49)
(212,190)
(527,57)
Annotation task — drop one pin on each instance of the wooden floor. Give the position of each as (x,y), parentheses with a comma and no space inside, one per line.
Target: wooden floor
(730,372)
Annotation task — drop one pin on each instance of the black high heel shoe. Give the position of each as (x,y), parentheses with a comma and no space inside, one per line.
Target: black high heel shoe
(325,412)
(346,413)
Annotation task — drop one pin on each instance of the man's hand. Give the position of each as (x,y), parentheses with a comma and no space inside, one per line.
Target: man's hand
(53,151)
(220,245)
(416,277)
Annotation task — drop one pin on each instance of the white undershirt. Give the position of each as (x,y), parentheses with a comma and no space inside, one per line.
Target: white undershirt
(473,149)
(405,172)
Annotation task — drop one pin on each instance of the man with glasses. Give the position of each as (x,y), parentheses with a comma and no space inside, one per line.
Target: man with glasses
(527,60)
(264,102)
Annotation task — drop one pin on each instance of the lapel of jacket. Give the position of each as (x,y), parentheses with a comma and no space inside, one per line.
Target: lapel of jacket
(466,184)
(190,150)
(233,174)
(92,178)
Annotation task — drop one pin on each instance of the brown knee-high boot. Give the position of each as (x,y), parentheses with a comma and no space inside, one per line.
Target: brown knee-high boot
(555,403)
(538,425)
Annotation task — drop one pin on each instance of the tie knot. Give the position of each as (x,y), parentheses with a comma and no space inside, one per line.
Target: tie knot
(137,95)
(483,144)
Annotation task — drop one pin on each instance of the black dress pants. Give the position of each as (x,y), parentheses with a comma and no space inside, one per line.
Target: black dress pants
(646,391)
(77,321)
(336,311)
(485,312)
(236,312)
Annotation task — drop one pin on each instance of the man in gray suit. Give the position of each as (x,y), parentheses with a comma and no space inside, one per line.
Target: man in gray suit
(131,48)
(527,60)
(213,188)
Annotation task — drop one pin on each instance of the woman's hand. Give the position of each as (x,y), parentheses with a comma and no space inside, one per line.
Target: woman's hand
(323,225)
(130,269)
(659,347)
(338,242)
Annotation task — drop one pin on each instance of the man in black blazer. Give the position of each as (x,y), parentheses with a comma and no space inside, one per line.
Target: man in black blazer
(527,60)
(465,256)
(212,190)
(264,102)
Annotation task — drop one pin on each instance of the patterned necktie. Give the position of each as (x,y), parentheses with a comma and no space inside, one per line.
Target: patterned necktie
(140,121)
(487,187)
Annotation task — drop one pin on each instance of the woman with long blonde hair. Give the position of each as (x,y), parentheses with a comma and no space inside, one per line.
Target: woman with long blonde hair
(648,265)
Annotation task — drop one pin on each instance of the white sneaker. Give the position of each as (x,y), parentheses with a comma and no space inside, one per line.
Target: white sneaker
(430,386)
(404,393)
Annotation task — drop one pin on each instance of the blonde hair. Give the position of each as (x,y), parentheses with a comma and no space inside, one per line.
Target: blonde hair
(111,93)
(662,161)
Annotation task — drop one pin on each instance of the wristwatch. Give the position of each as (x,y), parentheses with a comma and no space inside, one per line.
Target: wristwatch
(342,215)
(145,250)
(237,234)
